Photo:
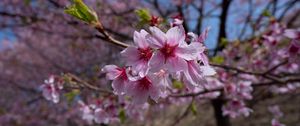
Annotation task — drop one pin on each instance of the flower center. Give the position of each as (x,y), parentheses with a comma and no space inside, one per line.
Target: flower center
(144,83)
(168,50)
(123,74)
(145,54)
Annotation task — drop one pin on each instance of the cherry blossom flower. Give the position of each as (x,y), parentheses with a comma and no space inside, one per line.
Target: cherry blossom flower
(275,110)
(119,77)
(275,122)
(138,57)
(194,75)
(241,90)
(235,108)
(50,90)
(148,86)
(87,112)
(173,51)
(101,116)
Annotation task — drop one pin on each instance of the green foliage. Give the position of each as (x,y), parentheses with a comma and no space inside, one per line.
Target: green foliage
(224,42)
(82,12)
(217,60)
(27,2)
(70,96)
(266,13)
(144,17)
(122,115)
(194,108)
(177,84)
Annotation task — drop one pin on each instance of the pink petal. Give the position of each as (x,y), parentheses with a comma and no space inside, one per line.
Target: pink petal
(140,39)
(175,35)
(291,33)
(204,59)
(158,38)
(119,86)
(176,64)
(131,55)
(208,70)
(190,52)
(111,71)
(157,61)
(203,35)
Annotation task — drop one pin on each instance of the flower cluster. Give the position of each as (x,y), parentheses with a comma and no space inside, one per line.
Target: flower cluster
(154,59)
(237,93)
(275,110)
(51,88)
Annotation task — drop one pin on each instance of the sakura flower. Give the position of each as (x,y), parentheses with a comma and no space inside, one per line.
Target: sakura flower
(275,122)
(292,33)
(119,77)
(241,90)
(136,111)
(101,116)
(200,39)
(236,108)
(173,51)
(148,86)
(87,112)
(176,22)
(275,110)
(50,91)
(138,57)
(194,75)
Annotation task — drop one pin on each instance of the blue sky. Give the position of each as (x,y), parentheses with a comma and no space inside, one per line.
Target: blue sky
(233,29)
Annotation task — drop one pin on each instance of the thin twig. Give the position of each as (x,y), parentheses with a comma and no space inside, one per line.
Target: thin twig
(88,85)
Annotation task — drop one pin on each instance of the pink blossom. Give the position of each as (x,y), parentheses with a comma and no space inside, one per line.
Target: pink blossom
(173,51)
(200,39)
(236,108)
(87,112)
(148,86)
(241,90)
(292,33)
(275,110)
(101,116)
(136,111)
(138,57)
(119,77)
(194,74)
(275,122)
(50,90)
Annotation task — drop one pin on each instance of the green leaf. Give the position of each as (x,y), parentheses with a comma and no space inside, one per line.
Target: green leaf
(71,95)
(194,108)
(144,16)
(27,2)
(266,13)
(217,59)
(82,12)
(122,115)
(177,84)
(224,42)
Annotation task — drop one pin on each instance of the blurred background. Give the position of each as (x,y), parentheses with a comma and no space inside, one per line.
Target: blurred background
(38,39)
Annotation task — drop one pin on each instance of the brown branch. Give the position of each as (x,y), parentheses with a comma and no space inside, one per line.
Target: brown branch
(86,84)
(109,38)
(184,114)
(268,83)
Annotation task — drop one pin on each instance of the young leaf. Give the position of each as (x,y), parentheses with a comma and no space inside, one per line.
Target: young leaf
(218,59)
(177,84)
(122,115)
(82,12)
(194,108)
